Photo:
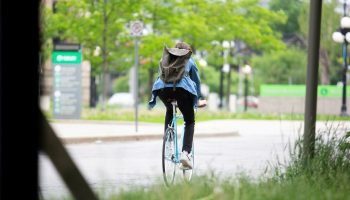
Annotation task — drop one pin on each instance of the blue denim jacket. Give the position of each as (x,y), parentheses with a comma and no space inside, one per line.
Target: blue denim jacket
(191,83)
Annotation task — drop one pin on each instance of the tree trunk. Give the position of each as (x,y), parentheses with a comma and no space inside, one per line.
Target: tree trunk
(93,91)
(228,89)
(325,69)
(104,57)
(221,89)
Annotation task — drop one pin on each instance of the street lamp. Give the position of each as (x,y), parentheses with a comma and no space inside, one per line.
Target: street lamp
(226,45)
(343,36)
(246,71)
(225,68)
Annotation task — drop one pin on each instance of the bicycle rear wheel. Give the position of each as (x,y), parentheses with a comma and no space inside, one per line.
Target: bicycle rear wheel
(168,157)
(187,173)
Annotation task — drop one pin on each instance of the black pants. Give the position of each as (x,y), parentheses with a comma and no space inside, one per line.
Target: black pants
(185,103)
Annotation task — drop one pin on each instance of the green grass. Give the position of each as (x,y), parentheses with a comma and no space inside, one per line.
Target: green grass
(326,176)
(243,188)
(157,115)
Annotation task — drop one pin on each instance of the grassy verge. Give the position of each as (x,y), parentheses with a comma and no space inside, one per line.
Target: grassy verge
(244,189)
(325,177)
(157,115)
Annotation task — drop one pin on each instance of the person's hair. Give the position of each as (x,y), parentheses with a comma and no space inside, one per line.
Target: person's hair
(183,45)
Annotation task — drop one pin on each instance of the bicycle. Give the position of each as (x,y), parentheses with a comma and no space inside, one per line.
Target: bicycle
(172,149)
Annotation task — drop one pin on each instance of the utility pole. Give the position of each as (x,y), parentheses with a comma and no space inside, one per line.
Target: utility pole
(312,79)
(136,29)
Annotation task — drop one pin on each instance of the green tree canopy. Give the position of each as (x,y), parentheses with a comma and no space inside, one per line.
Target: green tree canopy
(292,10)
(329,50)
(102,25)
(280,67)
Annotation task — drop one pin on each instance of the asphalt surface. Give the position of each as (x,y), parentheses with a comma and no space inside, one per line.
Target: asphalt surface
(112,156)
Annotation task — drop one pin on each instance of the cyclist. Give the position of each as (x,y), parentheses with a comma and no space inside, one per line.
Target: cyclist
(187,93)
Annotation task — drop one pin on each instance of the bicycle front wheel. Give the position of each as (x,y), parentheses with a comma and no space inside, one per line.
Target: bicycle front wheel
(168,157)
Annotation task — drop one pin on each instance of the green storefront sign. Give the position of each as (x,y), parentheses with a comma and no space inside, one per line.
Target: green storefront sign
(299,91)
(66,57)
(67,84)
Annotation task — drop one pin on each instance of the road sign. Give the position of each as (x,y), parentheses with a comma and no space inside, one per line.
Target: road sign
(136,28)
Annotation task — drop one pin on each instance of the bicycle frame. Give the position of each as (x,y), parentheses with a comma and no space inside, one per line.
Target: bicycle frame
(174,127)
(175,150)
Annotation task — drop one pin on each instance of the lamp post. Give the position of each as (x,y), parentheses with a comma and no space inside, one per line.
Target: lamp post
(225,69)
(226,45)
(343,36)
(246,71)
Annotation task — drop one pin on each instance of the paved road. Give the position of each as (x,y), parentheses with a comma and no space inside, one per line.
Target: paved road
(114,165)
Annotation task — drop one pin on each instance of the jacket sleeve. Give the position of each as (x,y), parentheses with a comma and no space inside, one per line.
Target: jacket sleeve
(194,75)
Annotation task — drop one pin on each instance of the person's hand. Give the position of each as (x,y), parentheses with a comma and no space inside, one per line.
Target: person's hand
(202,103)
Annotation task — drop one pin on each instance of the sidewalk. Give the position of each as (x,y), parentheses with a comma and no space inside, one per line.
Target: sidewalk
(82,131)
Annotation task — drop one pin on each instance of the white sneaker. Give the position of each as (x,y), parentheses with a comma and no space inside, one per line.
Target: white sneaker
(186,160)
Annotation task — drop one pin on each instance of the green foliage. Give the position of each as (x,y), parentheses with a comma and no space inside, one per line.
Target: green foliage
(292,11)
(151,50)
(104,26)
(210,77)
(94,24)
(121,84)
(330,52)
(281,67)
(241,187)
(246,21)
(156,115)
(331,158)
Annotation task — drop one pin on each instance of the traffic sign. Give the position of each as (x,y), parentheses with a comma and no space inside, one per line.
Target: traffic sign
(136,28)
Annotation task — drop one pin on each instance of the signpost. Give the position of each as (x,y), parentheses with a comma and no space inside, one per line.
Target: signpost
(136,29)
(67,87)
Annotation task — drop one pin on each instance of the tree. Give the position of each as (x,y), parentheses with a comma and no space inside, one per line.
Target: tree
(157,16)
(280,67)
(101,25)
(329,50)
(244,22)
(98,25)
(292,10)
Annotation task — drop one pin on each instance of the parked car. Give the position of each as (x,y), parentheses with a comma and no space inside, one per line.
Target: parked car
(252,102)
(122,99)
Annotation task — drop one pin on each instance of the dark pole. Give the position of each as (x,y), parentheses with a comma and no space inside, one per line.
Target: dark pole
(245,92)
(136,95)
(343,109)
(221,88)
(228,89)
(312,79)
(345,66)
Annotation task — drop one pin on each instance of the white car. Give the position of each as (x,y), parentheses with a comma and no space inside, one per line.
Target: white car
(122,99)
